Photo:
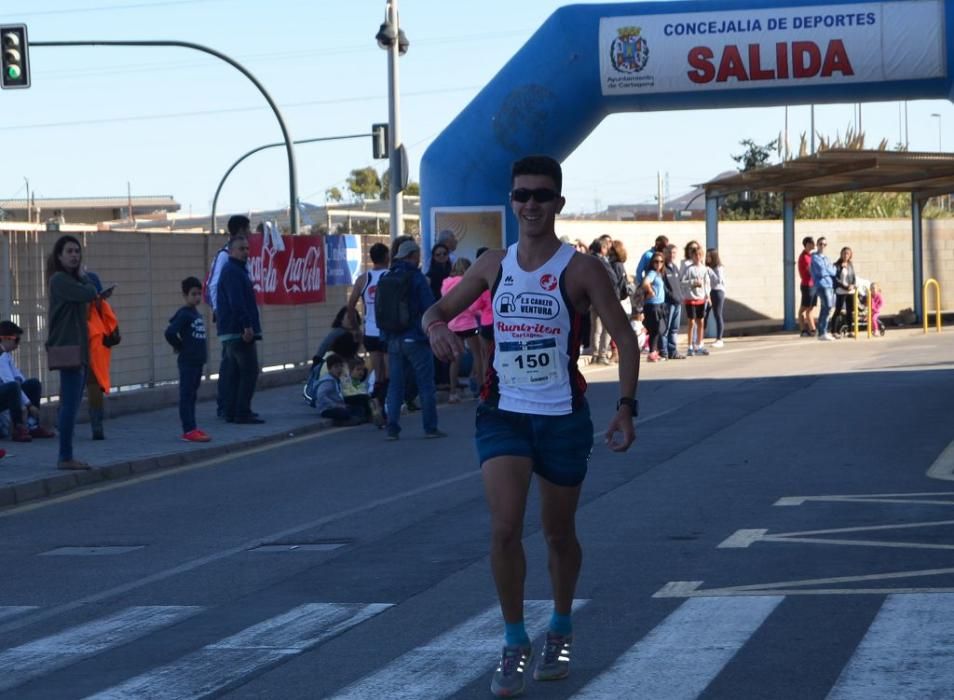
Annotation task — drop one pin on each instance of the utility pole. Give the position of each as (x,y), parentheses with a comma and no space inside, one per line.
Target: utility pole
(29,212)
(659,194)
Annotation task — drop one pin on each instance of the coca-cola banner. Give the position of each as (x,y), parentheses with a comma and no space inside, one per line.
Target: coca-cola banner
(287,269)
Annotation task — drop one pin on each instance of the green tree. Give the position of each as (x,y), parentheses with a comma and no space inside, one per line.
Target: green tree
(364,183)
(333,194)
(753,205)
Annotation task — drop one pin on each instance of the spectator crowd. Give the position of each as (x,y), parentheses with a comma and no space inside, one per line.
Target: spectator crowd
(379,366)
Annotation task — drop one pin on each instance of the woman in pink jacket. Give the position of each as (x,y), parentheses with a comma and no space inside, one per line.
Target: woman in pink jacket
(466,325)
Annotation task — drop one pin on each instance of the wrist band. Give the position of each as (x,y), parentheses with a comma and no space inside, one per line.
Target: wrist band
(430,325)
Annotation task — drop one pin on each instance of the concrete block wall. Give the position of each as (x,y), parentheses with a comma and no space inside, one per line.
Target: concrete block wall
(148,269)
(752,254)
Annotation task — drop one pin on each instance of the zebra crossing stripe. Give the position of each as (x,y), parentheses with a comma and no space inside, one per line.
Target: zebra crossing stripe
(218,665)
(14,610)
(905,653)
(681,656)
(450,661)
(28,661)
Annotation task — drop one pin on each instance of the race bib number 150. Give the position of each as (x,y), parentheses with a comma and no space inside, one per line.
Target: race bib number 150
(528,362)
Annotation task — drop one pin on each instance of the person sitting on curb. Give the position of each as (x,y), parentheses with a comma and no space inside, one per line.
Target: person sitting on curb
(26,392)
(329,399)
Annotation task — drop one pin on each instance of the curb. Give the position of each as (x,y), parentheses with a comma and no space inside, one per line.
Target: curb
(63,482)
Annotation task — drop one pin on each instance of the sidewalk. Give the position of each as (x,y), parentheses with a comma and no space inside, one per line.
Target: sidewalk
(143,442)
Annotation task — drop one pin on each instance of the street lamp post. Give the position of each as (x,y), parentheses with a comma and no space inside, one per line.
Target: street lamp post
(392,39)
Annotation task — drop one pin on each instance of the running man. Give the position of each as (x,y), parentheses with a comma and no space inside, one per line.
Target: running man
(533,416)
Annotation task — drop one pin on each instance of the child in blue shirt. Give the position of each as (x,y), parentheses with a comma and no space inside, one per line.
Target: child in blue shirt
(186,335)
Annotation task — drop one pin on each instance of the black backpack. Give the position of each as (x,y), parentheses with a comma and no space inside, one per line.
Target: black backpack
(392,301)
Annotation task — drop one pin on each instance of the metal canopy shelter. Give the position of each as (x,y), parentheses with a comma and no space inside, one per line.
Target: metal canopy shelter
(923,175)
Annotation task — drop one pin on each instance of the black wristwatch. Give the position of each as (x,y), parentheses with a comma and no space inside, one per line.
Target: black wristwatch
(632,403)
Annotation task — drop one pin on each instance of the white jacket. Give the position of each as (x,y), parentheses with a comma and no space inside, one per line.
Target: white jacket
(695,281)
(9,372)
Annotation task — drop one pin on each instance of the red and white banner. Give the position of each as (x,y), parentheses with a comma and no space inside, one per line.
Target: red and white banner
(289,270)
(770,48)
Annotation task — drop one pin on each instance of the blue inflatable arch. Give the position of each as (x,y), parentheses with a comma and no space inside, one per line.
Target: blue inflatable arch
(589,61)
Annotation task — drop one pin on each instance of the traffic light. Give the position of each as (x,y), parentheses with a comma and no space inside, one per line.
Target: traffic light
(15,58)
(379,141)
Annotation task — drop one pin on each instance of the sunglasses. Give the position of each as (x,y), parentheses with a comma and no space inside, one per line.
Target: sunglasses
(657,262)
(540,194)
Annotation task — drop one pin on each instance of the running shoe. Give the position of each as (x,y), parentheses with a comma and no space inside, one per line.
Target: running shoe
(690,352)
(509,678)
(718,344)
(195,435)
(555,663)
(702,350)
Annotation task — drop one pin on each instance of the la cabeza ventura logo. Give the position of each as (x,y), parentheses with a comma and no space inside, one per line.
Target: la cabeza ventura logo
(629,51)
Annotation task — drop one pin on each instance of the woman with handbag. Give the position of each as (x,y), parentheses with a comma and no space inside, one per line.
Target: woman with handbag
(67,344)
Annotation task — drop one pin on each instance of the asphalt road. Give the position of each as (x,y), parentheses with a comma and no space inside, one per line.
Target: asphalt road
(773,534)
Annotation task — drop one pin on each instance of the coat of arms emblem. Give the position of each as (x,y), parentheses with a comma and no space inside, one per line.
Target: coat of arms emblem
(629,51)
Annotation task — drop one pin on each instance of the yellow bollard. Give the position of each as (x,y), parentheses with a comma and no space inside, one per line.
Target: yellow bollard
(856,314)
(924,303)
(870,310)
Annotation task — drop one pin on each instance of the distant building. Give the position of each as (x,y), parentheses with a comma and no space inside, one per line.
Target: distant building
(85,210)
(690,206)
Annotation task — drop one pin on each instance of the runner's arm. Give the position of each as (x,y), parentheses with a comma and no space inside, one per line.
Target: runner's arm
(603,299)
(444,342)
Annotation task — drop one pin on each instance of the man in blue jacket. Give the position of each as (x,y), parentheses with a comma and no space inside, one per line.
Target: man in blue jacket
(410,344)
(239,327)
(823,276)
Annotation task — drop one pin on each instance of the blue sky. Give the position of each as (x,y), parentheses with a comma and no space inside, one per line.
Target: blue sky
(171,121)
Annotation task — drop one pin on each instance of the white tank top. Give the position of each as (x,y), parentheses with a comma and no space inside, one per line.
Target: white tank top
(536,338)
(370,291)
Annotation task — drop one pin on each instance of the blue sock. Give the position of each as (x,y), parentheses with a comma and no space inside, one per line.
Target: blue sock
(515,634)
(561,624)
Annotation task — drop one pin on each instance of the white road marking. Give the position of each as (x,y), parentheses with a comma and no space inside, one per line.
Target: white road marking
(741,539)
(808,536)
(894,498)
(678,589)
(27,661)
(688,649)
(230,660)
(904,654)
(449,662)
(943,467)
(224,554)
(691,589)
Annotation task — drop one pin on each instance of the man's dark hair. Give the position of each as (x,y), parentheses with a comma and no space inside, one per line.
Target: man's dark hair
(539,165)
(480,251)
(190,283)
(661,243)
(806,240)
(379,253)
(334,360)
(237,224)
(9,328)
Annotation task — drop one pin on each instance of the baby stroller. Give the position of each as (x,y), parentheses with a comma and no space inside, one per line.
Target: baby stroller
(840,326)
